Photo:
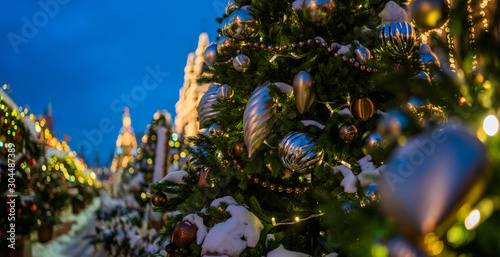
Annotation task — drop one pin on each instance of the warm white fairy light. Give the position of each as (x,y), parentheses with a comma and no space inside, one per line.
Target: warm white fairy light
(490,125)
(472,219)
(483,6)
(472,34)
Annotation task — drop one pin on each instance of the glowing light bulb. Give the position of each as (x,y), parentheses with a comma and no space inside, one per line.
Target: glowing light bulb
(297,219)
(472,220)
(490,125)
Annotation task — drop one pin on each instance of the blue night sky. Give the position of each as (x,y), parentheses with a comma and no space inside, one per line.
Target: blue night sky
(88,56)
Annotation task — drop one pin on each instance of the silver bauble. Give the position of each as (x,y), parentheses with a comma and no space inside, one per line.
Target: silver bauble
(429,14)
(371,194)
(319,12)
(303,91)
(430,61)
(299,153)
(206,109)
(242,24)
(210,55)
(241,62)
(350,206)
(225,27)
(214,130)
(392,125)
(362,54)
(422,76)
(224,92)
(373,143)
(225,43)
(231,6)
(258,118)
(430,178)
(397,37)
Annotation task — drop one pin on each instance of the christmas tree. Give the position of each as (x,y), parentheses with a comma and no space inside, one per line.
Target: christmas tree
(289,126)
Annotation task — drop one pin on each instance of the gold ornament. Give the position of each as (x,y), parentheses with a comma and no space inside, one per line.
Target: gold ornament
(303,90)
(258,118)
(159,199)
(362,109)
(362,54)
(206,110)
(319,12)
(239,148)
(224,92)
(241,63)
(242,24)
(225,43)
(225,27)
(203,178)
(429,14)
(348,133)
(299,153)
(184,234)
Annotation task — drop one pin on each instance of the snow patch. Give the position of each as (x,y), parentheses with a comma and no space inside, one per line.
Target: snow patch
(297,5)
(312,123)
(282,252)
(229,200)
(176,176)
(393,13)
(425,49)
(285,88)
(345,111)
(202,229)
(159,169)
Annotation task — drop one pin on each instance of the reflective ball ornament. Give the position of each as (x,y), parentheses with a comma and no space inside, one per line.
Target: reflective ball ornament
(224,92)
(241,63)
(184,234)
(319,12)
(206,110)
(430,61)
(303,90)
(225,27)
(429,14)
(350,206)
(373,143)
(371,194)
(239,148)
(214,131)
(210,55)
(348,133)
(362,54)
(429,178)
(392,125)
(158,199)
(422,76)
(362,109)
(299,153)
(243,25)
(397,37)
(231,6)
(226,43)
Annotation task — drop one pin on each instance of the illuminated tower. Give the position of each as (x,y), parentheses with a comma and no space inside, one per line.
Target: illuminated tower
(126,145)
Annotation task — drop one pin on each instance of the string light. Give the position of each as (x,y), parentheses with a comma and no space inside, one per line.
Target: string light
(296,220)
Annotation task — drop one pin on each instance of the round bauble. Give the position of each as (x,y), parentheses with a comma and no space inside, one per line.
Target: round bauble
(362,54)
(397,37)
(319,12)
(242,24)
(158,199)
(225,27)
(373,143)
(214,130)
(241,62)
(392,125)
(303,90)
(184,234)
(299,153)
(422,76)
(430,61)
(225,43)
(429,14)
(239,148)
(362,109)
(224,92)
(210,55)
(231,6)
(371,194)
(348,133)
